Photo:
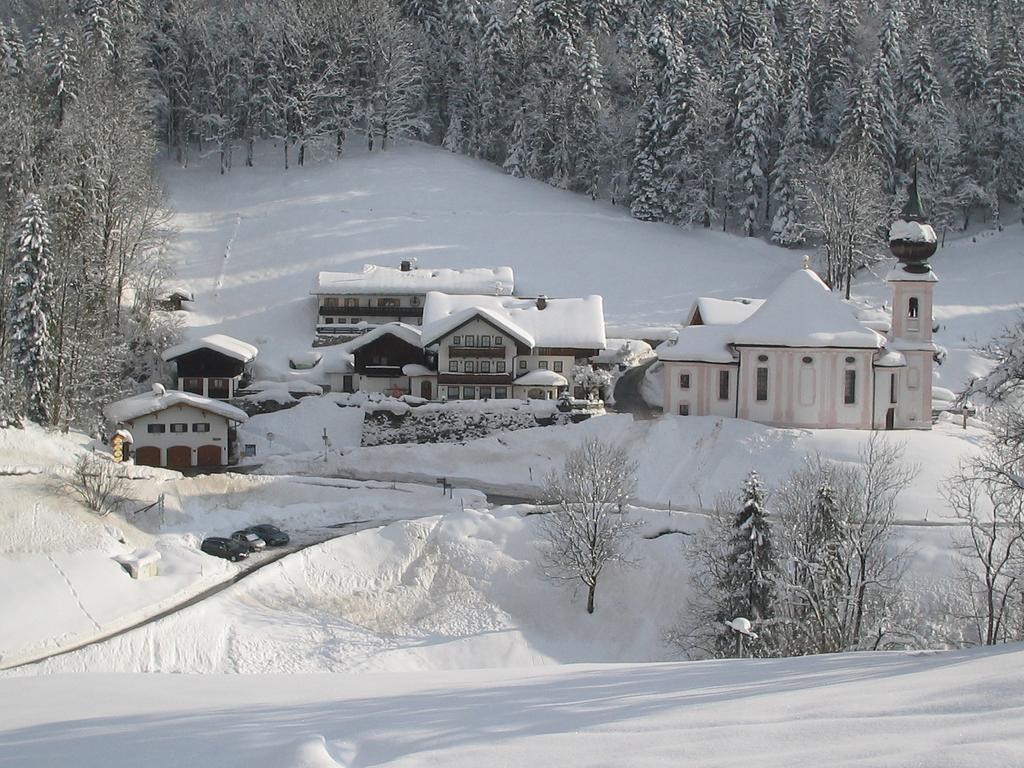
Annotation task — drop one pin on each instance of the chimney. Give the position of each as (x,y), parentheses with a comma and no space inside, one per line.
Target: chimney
(406,266)
(542,301)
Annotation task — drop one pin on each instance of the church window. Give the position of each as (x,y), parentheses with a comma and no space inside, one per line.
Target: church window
(684,409)
(684,381)
(849,387)
(723,385)
(913,308)
(762,385)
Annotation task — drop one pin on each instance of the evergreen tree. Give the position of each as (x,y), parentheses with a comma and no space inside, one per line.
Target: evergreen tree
(789,224)
(748,582)
(751,131)
(862,124)
(62,74)
(30,339)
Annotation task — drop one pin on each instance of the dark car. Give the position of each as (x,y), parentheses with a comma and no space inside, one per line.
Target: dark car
(250,540)
(229,549)
(274,537)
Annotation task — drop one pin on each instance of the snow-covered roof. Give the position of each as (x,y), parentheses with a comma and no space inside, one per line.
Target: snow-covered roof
(722,311)
(492,281)
(159,399)
(138,557)
(898,274)
(338,360)
(891,358)
(218,342)
(542,378)
(911,232)
(803,312)
(699,343)
(577,323)
(445,324)
(415,369)
(406,333)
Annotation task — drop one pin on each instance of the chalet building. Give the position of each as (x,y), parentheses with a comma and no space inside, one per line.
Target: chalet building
(801,358)
(380,357)
(504,346)
(351,303)
(178,430)
(214,366)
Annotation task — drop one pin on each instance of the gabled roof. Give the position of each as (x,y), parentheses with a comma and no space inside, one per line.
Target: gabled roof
(406,333)
(496,281)
(445,324)
(803,312)
(709,311)
(159,399)
(576,323)
(218,342)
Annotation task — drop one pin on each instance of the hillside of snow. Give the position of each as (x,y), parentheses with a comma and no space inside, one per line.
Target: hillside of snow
(250,243)
(957,709)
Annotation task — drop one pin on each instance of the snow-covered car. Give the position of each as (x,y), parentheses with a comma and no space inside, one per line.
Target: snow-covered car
(273,536)
(250,540)
(229,549)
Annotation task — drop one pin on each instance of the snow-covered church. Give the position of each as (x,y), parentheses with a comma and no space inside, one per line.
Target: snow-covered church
(800,358)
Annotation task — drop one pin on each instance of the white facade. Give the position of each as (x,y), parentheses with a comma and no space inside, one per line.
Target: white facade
(181,426)
(802,360)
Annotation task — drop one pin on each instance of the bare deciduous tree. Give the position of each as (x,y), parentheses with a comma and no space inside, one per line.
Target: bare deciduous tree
(988,497)
(586,529)
(97,484)
(848,216)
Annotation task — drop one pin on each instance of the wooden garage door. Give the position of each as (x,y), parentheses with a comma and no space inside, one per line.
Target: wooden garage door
(209,456)
(147,456)
(179,457)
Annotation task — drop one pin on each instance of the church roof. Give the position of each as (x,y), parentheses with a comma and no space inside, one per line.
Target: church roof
(803,312)
(711,311)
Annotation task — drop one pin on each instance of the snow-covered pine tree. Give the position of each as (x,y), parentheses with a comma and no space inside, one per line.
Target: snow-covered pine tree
(747,584)
(29,337)
(789,223)
(516,163)
(861,124)
(98,34)
(752,130)
(62,73)
(888,62)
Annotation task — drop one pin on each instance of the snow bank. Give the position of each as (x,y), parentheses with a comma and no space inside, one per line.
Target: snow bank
(956,710)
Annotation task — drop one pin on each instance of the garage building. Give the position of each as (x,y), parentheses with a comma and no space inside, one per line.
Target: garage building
(178,430)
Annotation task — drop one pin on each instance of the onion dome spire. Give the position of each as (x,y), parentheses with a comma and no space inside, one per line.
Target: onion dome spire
(911,238)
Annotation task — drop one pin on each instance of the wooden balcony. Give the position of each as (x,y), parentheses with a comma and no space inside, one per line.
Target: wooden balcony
(495,352)
(372,311)
(474,379)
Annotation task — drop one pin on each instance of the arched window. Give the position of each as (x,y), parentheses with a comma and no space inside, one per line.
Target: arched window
(914,308)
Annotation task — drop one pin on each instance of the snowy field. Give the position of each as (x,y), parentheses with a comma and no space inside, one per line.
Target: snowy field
(950,710)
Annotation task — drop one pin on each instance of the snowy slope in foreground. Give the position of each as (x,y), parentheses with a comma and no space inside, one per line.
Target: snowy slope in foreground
(460,591)
(943,709)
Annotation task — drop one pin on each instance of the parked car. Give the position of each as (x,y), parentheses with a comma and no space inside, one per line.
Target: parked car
(250,540)
(274,537)
(229,549)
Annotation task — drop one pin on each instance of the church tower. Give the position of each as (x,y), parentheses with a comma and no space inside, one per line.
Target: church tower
(912,240)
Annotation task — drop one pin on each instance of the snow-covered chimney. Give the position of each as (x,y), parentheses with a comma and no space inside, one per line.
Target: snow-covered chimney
(406,266)
(542,301)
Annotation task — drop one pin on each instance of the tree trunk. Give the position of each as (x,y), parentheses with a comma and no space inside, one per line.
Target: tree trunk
(286,154)
(590,597)
(249,152)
